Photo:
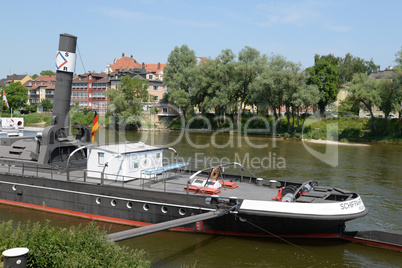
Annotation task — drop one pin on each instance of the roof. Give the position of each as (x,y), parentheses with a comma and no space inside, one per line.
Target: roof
(16,77)
(46,81)
(383,74)
(125,63)
(154,68)
(127,148)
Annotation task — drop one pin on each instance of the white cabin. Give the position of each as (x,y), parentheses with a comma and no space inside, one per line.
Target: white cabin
(125,161)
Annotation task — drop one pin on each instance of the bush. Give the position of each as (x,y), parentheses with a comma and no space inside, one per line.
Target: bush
(73,247)
(32,118)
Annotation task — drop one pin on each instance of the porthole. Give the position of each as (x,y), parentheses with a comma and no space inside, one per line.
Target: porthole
(182,211)
(14,188)
(113,203)
(98,200)
(145,207)
(129,205)
(164,209)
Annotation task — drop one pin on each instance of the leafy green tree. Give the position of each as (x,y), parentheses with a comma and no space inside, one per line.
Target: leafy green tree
(47,72)
(364,90)
(179,76)
(124,106)
(306,97)
(349,105)
(33,77)
(17,95)
(250,64)
(350,65)
(325,75)
(214,80)
(47,104)
(134,87)
(267,89)
(83,116)
(388,100)
(398,88)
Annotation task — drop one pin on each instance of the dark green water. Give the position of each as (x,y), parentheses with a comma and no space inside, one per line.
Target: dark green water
(373,171)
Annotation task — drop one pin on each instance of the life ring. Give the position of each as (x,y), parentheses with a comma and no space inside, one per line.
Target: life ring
(215,173)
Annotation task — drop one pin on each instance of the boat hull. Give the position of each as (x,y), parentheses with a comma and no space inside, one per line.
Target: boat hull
(137,207)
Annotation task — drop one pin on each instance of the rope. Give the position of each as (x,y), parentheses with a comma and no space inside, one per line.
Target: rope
(290,243)
(79,54)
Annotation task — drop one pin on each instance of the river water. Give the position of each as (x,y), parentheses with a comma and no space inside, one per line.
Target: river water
(374,171)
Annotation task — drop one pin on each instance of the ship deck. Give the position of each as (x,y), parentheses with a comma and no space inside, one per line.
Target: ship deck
(170,181)
(175,181)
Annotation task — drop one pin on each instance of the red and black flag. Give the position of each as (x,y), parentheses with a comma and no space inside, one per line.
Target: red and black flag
(95,126)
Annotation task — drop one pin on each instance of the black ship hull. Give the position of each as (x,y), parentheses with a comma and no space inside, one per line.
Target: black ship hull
(143,207)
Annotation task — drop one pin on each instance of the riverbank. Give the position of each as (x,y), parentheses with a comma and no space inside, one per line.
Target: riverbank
(331,142)
(343,130)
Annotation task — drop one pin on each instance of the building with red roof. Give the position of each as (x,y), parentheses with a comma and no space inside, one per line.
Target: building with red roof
(40,88)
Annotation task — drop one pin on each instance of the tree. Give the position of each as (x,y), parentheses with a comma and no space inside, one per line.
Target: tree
(33,77)
(364,90)
(349,105)
(134,87)
(47,72)
(387,101)
(398,88)
(124,106)
(325,75)
(214,80)
(306,97)
(179,75)
(82,116)
(17,95)
(46,104)
(250,64)
(350,65)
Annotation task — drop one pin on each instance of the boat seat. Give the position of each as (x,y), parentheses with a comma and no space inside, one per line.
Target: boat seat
(204,190)
(229,185)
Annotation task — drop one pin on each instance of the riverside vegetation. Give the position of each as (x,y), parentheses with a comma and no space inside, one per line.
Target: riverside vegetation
(76,246)
(344,129)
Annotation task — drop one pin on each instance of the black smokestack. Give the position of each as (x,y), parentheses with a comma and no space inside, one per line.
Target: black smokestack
(65,65)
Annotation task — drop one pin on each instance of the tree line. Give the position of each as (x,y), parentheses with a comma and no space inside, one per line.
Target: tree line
(228,83)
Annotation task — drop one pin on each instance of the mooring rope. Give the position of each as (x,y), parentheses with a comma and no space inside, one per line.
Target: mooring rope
(290,243)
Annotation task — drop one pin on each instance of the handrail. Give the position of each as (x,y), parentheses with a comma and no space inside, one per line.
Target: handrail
(68,159)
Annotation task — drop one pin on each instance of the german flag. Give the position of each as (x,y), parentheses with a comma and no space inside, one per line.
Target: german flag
(95,126)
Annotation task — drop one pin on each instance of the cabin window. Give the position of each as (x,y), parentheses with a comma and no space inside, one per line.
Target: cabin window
(101,158)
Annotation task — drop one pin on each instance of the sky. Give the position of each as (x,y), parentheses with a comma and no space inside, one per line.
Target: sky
(149,30)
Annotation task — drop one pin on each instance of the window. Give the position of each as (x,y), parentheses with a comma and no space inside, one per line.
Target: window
(164,110)
(155,87)
(151,77)
(101,158)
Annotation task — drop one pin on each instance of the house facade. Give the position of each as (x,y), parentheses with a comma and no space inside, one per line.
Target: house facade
(40,88)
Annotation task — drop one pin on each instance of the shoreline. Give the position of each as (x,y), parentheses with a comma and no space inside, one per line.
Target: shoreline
(331,142)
